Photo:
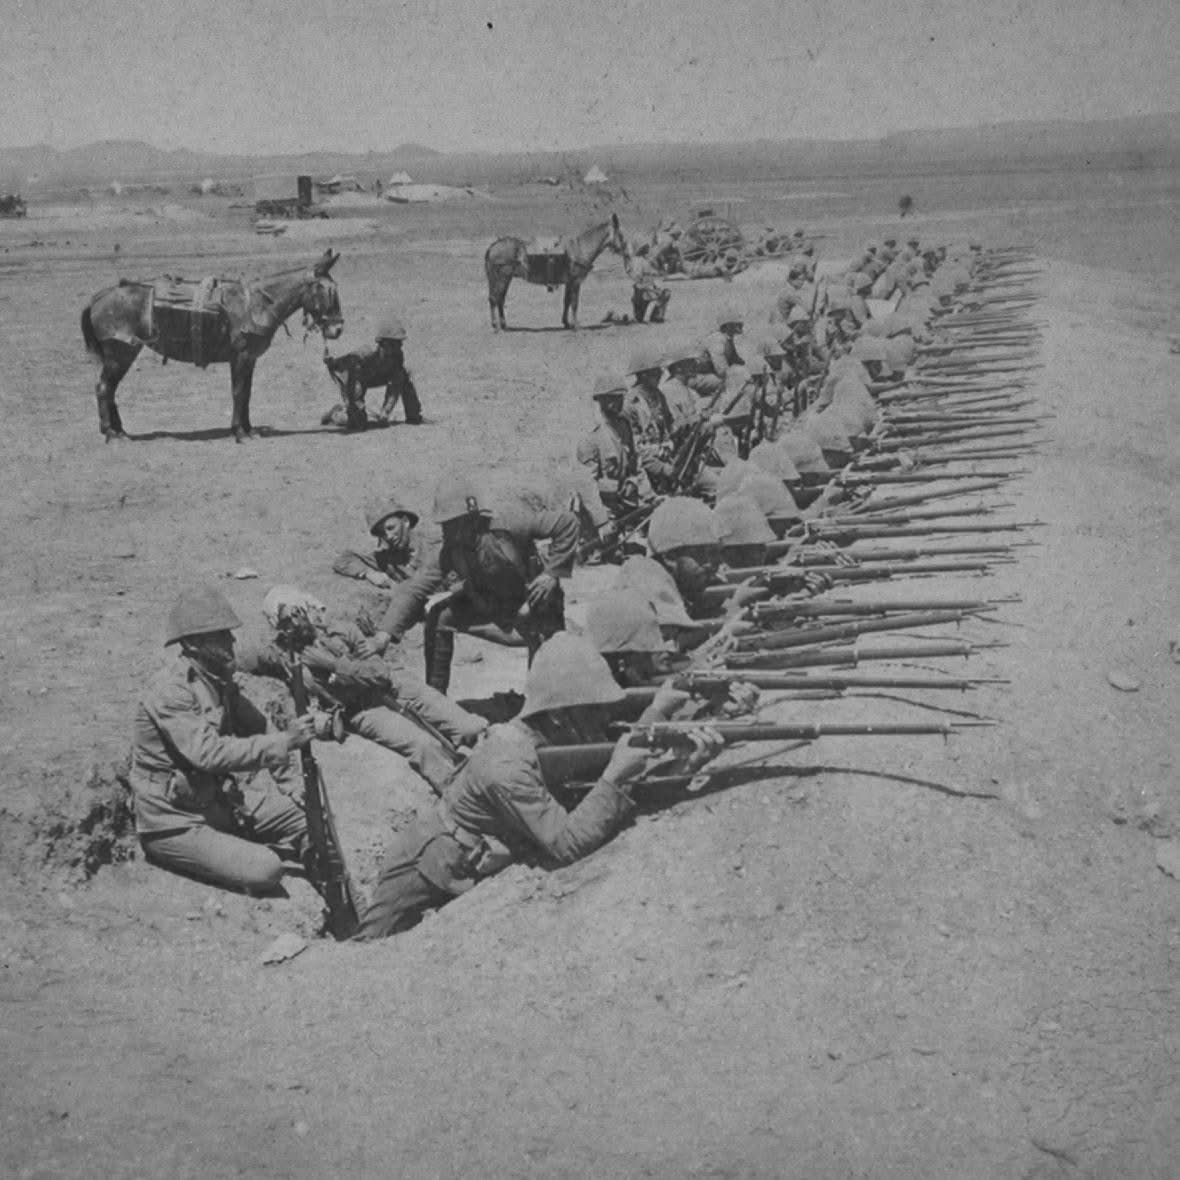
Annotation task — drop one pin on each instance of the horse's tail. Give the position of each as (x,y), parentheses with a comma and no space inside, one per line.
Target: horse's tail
(93,344)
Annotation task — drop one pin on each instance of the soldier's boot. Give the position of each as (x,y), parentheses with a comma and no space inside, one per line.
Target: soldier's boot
(440,651)
(638,306)
(660,308)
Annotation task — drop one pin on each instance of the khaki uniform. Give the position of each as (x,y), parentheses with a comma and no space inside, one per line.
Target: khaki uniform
(608,453)
(381,699)
(197,744)
(498,796)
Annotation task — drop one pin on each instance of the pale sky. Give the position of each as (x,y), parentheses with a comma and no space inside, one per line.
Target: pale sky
(259,76)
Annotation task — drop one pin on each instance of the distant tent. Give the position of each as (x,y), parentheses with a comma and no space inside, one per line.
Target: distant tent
(400,178)
(116,187)
(208,186)
(595,176)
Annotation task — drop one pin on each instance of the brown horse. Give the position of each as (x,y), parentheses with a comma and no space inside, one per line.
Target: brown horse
(233,324)
(508,258)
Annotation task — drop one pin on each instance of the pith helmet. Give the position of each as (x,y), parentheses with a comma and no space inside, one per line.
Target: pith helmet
(643,359)
(567,671)
(768,346)
(377,512)
(456,496)
(730,477)
(741,521)
(282,602)
(199,611)
(391,329)
(827,432)
(686,350)
(681,523)
(658,586)
(868,348)
(772,459)
(769,494)
(605,386)
(730,315)
(804,452)
(624,622)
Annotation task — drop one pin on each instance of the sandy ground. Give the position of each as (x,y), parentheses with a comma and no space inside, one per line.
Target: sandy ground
(838,971)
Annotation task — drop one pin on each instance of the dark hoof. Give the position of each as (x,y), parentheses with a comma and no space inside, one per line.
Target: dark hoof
(116,436)
(241,436)
(414,421)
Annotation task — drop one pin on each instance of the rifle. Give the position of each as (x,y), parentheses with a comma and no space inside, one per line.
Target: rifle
(716,685)
(810,636)
(586,762)
(786,580)
(871,531)
(325,861)
(850,655)
(854,479)
(813,608)
(626,525)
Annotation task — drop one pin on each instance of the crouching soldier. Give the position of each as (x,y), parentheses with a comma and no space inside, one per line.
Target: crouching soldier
(197,745)
(374,697)
(498,809)
(493,579)
(357,372)
(648,294)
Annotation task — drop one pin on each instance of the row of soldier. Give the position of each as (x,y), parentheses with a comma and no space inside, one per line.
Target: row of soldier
(718,447)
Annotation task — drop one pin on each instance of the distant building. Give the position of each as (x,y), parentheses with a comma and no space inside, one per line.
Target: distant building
(399,178)
(595,176)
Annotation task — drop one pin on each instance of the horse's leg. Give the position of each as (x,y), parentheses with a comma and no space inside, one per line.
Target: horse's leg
(117,358)
(241,371)
(569,315)
(501,295)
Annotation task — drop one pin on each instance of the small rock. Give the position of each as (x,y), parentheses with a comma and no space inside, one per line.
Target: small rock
(300,1128)
(1167,857)
(1174,650)
(1123,680)
(285,947)
(245,573)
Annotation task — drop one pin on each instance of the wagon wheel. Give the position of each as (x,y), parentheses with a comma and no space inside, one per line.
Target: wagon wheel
(713,240)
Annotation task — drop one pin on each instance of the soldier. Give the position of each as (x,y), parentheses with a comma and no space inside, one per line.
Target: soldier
(648,294)
(398,553)
(609,453)
(379,699)
(652,422)
(722,344)
(200,810)
(383,365)
(498,809)
(743,531)
(498,585)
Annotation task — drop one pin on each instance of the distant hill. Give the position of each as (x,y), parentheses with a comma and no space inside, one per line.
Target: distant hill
(134,161)
(1142,141)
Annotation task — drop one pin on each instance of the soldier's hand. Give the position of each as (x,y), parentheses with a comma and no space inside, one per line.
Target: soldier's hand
(667,700)
(628,762)
(375,645)
(743,698)
(541,590)
(707,743)
(301,731)
(816,582)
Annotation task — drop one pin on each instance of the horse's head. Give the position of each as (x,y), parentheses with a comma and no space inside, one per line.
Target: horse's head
(321,300)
